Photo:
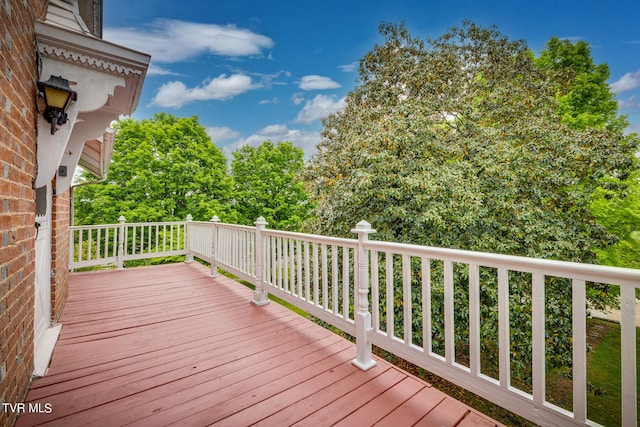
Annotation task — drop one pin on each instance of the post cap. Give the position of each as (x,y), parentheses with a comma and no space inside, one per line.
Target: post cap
(363,227)
(261,221)
(215,218)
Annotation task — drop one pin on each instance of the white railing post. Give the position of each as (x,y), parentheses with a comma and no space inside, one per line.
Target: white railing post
(189,255)
(362,317)
(260,295)
(214,245)
(628,356)
(71,247)
(121,243)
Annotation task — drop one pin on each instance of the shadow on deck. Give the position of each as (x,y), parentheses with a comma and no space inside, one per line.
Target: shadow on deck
(168,344)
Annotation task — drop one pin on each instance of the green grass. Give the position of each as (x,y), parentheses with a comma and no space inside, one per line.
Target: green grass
(603,375)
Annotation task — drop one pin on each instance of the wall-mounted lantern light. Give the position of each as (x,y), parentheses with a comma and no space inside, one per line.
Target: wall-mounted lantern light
(57,97)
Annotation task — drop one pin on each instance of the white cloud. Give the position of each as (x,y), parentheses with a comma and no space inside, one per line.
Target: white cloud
(297,98)
(629,103)
(633,129)
(349,68)
(274,130)
(319,107)
(170,40)
(155,70)
(273,100)
(268,80)
(176,94)
(223,133)
(626,83)
(313,82)
(278,133)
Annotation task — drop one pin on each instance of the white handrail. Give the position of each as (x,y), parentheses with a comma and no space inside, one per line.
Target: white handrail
(573,270)
(113,244)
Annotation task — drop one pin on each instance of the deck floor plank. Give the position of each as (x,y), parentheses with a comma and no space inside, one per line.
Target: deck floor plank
(184,391)
(448,412)
(157,351)
(169,345)
(378,408)
(413,409)
(165,367)
(296,411)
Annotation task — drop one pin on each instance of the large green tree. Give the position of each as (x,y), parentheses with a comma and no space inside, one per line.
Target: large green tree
(456,142)
(585,100)
(267,183)
(162,169)
(584,97)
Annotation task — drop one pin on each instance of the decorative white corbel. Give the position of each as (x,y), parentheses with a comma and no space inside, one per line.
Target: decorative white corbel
(94,89)
(108,80)
(88,126)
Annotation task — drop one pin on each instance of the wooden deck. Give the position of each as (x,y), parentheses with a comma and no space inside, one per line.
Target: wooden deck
(168,345)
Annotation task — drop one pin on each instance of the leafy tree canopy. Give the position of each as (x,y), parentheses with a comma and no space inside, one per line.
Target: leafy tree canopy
(458,142)
(162,169)
(455,142)
(619,212)
(581,86)
(585,101)
(266,183)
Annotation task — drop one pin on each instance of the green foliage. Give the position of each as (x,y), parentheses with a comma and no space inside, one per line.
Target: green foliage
(581,86)
(456,142)
(266,184)
(162,169)
(167,167)
(585,100)
(457,145)
(616,205)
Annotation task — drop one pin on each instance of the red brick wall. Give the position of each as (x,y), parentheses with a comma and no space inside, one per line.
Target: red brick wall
(17,197)
(60,215)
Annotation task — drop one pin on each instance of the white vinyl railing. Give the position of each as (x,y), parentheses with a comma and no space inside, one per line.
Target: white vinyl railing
(312,272)
(531,404)
(236,243)
(406,300)
(94,245)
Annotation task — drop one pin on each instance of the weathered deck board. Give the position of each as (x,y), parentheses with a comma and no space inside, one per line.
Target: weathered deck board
(169,345)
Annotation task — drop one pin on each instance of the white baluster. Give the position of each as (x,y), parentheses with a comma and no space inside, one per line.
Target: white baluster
(214,245)
(121,243)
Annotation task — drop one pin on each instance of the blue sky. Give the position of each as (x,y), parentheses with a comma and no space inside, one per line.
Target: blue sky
(258,70)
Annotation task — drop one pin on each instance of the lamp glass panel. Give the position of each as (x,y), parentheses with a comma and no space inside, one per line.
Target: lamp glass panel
(56,98)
